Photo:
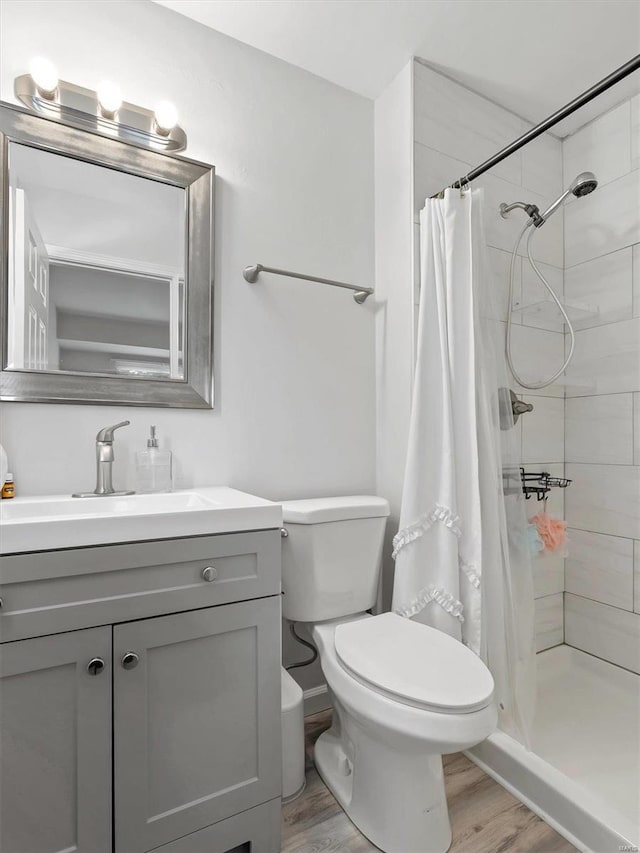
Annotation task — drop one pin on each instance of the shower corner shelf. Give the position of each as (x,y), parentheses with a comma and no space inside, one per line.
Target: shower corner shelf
(546,309)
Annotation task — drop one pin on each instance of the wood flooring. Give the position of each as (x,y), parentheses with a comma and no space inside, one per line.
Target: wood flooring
(484,816)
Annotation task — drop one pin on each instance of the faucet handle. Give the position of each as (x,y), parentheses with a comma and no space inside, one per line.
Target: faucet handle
(520,407)
(106,434)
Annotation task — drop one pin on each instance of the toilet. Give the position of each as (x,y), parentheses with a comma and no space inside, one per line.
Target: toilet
(403,694)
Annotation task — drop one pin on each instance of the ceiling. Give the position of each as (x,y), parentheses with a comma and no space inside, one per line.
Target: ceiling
(530,56)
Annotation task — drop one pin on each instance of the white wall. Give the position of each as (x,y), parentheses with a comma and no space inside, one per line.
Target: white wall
(294,363)
(394,254)
(602,253)
(456,129)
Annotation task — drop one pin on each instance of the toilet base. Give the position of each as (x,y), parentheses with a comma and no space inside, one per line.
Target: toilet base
(394,793)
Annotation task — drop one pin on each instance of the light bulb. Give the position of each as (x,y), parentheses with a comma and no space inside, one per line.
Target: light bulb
(45,76)
(166,117)
(109,98)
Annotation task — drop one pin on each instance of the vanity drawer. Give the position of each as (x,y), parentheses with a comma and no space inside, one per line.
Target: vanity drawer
(54,591)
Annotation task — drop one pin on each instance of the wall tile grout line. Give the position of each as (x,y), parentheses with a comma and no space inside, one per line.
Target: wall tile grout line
(603,255)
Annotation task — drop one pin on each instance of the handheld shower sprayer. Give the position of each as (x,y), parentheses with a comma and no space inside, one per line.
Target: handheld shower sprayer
(582,185)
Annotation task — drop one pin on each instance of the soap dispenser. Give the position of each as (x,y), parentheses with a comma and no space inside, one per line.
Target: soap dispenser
(153,467)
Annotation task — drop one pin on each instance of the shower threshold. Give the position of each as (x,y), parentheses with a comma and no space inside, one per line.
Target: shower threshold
(583,774)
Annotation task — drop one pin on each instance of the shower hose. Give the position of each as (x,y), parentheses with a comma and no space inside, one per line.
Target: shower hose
(534,386)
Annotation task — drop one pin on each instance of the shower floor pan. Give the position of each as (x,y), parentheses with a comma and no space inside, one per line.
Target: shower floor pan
(583,775)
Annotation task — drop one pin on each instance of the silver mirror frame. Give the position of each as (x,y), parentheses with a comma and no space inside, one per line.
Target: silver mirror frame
(196,390)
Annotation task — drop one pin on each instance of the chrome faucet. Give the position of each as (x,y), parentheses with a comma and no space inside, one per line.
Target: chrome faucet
(104,460)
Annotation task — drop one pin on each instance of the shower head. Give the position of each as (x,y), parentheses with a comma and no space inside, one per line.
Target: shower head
(583,184)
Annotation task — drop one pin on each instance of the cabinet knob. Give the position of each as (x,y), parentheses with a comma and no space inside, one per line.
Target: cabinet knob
(210,573)
(1,604)
(130,660)
(95,666)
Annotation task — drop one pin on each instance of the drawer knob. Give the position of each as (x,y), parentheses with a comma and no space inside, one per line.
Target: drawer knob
(130,660)
(95,666)
(210,574)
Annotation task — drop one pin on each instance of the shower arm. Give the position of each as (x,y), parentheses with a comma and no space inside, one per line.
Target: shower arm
(532,209)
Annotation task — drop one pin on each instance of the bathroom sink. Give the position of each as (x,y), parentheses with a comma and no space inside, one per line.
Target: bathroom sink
(60,521)
(57,507)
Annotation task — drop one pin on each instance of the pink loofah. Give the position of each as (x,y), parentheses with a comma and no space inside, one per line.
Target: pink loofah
(552,531)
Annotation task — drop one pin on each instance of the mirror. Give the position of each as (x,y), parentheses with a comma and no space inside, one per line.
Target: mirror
(97,269)
(104,268)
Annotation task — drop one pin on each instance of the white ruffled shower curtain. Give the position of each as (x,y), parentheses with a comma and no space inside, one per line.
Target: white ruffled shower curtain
(462,563)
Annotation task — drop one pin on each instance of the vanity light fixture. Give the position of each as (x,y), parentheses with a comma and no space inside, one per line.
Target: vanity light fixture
(102,112)
(45,77)
(166,118)
(109,98)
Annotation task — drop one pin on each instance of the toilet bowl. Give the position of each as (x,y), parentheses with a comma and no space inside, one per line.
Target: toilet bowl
(403,694)
(382,757)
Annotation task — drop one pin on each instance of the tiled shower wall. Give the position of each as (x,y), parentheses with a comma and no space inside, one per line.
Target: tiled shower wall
(454,130)
(602,409)
(594,262)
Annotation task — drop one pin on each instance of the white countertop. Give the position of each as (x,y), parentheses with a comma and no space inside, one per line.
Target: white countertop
(60,521)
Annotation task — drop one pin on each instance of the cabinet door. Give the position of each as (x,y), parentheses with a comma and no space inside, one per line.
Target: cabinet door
(55,742)
(196,720)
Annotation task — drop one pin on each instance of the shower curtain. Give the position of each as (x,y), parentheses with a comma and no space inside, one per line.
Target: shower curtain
(462,560)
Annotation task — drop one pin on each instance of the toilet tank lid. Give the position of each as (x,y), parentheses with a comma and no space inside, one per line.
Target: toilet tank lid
(319,510)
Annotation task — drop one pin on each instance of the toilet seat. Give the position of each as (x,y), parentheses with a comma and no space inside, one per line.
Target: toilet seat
(413,664)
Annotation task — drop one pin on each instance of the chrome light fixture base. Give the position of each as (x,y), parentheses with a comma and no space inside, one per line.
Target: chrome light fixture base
(79,107)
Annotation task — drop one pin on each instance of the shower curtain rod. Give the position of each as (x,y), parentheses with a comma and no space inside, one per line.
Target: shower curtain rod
(613,78)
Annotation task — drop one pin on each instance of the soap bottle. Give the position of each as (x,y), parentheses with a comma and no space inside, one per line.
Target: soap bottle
(153,467)
(8,487)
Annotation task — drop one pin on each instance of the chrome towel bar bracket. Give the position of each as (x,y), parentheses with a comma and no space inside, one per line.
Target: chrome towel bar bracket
(251,275)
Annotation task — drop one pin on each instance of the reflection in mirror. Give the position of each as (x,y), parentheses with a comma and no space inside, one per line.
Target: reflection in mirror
(96,269)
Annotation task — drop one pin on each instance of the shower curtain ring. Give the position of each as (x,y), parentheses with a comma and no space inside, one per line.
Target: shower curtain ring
(464,185)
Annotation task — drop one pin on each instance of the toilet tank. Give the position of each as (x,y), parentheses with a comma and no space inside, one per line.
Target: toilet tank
(331,557)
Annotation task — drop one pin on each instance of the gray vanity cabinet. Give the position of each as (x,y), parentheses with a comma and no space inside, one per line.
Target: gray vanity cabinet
(194,716)
(140,697)
(55,743)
